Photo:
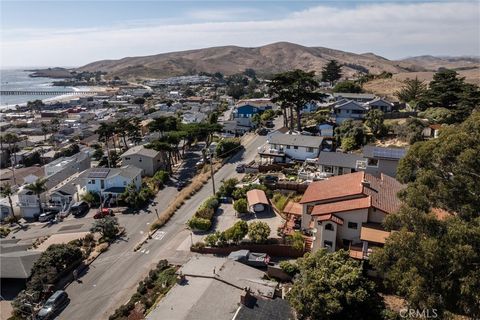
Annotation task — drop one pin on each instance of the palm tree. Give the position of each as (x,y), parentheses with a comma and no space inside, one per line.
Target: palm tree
(44,131)
(6,191)
(104,132)
(12,139)
(38,187)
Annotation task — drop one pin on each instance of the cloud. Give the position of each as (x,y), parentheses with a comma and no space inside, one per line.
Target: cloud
(391,30)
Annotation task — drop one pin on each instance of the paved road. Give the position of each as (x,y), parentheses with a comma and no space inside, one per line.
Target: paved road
(113,277)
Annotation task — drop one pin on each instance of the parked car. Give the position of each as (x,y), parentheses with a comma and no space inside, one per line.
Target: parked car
(47,216)
(105,212)
(262,131)
(253,259)
(56,303)
(269,124)
(269,179)
(240,168)
(79,209)
(181,184)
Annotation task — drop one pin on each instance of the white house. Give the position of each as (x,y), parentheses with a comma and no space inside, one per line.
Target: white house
(348,110)
(111,182)
(281,146)
(379,104)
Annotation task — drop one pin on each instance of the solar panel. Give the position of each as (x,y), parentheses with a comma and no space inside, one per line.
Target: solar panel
(99,173)
(388,153)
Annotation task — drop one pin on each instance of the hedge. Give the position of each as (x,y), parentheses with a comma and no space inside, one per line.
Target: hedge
(199,224)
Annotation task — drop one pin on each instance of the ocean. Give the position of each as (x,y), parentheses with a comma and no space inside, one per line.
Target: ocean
(19,80)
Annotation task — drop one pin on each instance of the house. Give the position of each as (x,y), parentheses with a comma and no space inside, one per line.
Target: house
(309,107)
(149,160)
(338,163)
(326,129)
(257,201)
(215,288)
(381,160)
(348,110)
(341,211)
(432,131)
(243,115)
(111,182)
(193,117)
(55,173)
(358,97)
(281,146)
(379,104)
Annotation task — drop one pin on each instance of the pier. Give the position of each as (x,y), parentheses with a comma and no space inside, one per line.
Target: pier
(44,93)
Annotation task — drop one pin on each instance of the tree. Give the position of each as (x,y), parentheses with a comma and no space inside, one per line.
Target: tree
(44,131)
(411,131)
(439,168)
(267,115)
(7,192)
(258,231)
(296,240)
(227,147)
(374,120)
(38,187)
(241,205)
(351,135)
(35,106)
(332,286)
(133,130)
(108,227)
(412,92)
(92,198)
(256,119)
(235,90)
(294,89)
(227,188)
(105,132)
(347,86)
(135,198)
(331,72)
(237,232)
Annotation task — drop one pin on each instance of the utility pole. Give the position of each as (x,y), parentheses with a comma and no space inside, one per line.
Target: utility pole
(213,175)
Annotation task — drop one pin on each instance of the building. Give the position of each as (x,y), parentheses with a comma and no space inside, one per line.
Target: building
(338,163)
(243,115)
(348,110)
(382,160)
(281,146)
(111,182)
(257,201)
(379,104)
(358,97)
(345,211)
(149,160)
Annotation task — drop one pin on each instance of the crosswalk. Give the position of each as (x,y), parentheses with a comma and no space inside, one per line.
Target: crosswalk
(159,235)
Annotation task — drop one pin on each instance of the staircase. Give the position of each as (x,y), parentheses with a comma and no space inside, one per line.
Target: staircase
(308,244)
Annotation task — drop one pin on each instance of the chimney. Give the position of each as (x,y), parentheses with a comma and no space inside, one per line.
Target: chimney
(365,183)
(247,299)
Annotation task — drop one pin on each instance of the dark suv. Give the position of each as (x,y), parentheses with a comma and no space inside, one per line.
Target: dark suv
(79,209)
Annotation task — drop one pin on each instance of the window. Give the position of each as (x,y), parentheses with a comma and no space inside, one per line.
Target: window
(327,244)
(309,149)
(295,147)
(340,171)
(346,242)
(91,181)
(372,162)
(352,225)
(140,159)
(124,183)
(329,226)
(328,169)
(127,158)
(288,147)
(102,184)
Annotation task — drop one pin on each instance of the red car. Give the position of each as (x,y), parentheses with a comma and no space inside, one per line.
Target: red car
(103,213)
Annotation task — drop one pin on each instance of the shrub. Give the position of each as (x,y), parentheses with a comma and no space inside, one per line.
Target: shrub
(4,231)
(161,176)
(199,224)
(242,192)
(241,205)
(198,245)
(211,239)
(227,188)
(296,240)
(258,231)
(227,147)
(237,232)
(289,268)
(280,200)
(92,198)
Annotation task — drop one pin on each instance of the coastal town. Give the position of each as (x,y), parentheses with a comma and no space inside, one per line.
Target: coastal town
(187,180)
(239,160)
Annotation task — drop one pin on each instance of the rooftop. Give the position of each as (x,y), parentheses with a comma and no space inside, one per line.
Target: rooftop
(256,196)
(296,140)
(140,151)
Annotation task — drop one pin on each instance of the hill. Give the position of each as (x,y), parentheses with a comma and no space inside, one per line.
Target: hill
(268,59)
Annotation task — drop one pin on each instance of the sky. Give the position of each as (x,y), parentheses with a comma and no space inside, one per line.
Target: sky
(73,33)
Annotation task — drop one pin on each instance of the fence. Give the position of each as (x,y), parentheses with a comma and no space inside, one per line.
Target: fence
(274,250)
(298,187)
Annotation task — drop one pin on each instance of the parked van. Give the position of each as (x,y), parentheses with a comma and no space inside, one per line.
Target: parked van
(56,303)
(79,208)
(47,216)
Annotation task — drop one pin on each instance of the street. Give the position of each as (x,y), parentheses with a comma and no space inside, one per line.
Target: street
(112,278)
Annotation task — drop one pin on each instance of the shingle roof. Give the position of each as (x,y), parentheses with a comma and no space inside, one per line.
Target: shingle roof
(330,217)
(340,206)
(339,159)
(140,151)
(296,140)
(266,309)
(382,152)
(294,208)
(18,265)
(256,196)
(384,191)
(350,102)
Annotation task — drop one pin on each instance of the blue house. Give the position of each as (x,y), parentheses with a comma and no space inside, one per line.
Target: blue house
(243,114)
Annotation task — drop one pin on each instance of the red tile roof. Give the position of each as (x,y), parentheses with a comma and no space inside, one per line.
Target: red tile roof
(381,192)
(334,187)
(340,206)
(331,217)
(376,235)
(294,208)
(256,196)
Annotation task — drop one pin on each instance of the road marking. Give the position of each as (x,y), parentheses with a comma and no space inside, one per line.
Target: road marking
(159,235)
(141,232)
(143,251)
(147,252)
